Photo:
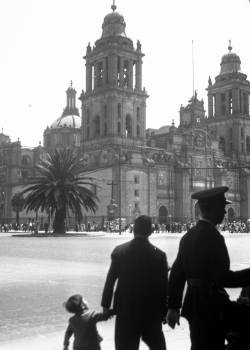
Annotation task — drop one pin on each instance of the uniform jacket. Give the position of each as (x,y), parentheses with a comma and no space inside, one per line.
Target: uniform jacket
(203,257)
(141,272)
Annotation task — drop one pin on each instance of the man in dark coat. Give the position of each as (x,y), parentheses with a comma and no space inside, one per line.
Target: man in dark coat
(203,262)
(140,299)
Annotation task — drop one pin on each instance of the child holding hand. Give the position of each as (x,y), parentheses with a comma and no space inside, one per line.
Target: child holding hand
(83,325)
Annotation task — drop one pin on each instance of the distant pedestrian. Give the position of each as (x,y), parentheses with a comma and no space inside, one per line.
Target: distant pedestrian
(46,227)
(83,325)
(140,272)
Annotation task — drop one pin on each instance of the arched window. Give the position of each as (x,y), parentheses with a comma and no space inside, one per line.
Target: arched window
(197,212)
(57,139)
(222,144)
(248,144)
(163,215)
(97,127)
(105,129)
(119,110)
(230,102)
(119,128)
(128,126)
(138,131)
(65,140)
(105,111)
(26,160)
(138,116)
(223,104)
(126,73)
(99,76)
(87,116)
(76,139)
(230,214)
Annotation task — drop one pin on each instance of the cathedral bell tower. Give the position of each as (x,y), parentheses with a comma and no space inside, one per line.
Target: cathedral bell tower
(114,104)
(228,108)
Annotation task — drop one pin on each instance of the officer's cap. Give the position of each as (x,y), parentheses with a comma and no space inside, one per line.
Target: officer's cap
(216,194)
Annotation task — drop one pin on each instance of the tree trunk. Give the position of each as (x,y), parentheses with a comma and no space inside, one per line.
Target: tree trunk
(17,217)
(59,222)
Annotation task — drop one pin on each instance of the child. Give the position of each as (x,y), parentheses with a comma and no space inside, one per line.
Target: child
(83,325)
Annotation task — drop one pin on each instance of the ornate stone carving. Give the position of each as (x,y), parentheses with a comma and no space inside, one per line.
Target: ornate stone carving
(162,157)
(86,159)
(162,178)
(199,140)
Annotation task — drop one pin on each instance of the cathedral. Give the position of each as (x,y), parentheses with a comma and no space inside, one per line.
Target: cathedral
(139,170)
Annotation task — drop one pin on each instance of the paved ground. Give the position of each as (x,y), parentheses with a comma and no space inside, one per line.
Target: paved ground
(176,340)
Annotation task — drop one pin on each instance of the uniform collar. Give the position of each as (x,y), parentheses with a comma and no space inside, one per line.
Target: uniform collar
(206,220)
(141,237)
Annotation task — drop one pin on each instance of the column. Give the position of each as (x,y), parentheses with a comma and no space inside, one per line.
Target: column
(95,76)
(236,100)
(143,120)
(227,102)
(138,84)
(112,70)
(247,112)
(217,105)
(121,72)
(130,81)
(88,77)
(113,119)
(210,106)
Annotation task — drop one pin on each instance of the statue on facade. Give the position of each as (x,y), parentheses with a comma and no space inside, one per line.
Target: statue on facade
(138,45)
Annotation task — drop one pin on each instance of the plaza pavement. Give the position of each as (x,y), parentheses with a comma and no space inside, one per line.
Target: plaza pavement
(176,340)
(104,233)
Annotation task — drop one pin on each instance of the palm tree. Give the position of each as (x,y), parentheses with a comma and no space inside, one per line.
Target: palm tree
(17,202)
(59,186)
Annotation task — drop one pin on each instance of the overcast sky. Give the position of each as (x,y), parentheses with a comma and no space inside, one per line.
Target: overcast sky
(43,42)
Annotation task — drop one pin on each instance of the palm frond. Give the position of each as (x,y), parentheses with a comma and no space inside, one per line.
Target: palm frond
(60,184)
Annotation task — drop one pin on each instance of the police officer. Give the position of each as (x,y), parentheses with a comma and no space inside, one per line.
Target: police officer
(203,263)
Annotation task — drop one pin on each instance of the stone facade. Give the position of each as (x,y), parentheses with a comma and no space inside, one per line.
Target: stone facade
(139,170)
(155,171)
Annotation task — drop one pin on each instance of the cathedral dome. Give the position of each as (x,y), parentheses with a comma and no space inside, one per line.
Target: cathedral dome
(113,24)
(69,121)
(230,62)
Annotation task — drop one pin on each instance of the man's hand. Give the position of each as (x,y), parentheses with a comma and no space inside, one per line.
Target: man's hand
(109,313)
(106,310)
(173,317)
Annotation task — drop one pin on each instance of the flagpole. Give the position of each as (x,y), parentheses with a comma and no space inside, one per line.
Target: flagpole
(193,63)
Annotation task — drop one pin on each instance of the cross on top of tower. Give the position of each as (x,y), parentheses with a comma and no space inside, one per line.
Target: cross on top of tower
(230,46)
(113,7)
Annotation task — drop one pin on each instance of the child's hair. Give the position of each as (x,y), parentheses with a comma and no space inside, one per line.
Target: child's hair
(75,304)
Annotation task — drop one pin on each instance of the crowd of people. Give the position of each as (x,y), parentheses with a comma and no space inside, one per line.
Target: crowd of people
(30,226)
(239,226)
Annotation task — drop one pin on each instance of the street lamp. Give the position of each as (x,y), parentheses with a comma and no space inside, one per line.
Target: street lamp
(130,211)
(119,158)
(2,205)
(150,163)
